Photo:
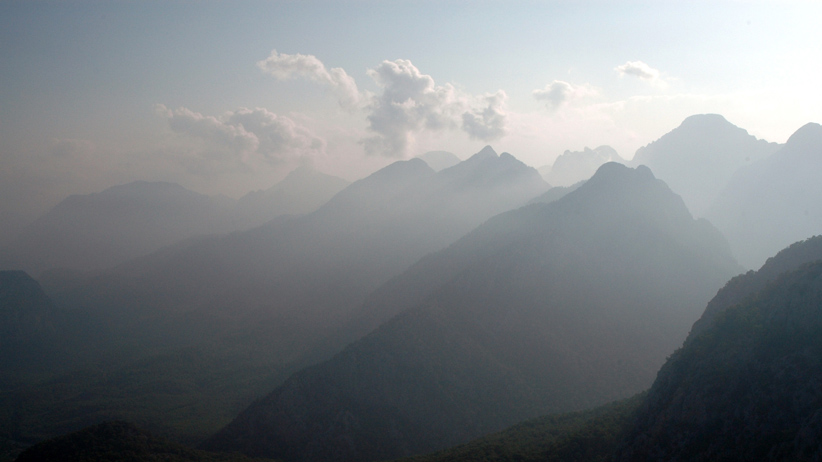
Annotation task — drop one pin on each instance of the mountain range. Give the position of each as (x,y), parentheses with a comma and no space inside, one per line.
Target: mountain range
(551,307)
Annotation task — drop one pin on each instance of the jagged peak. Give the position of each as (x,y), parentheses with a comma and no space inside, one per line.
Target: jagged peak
(485,153)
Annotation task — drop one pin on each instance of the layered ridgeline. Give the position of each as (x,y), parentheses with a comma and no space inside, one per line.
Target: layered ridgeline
(575,166)
(207,324)
(103,229)
(698,158)
(775,201)
(548,308)
(746,385)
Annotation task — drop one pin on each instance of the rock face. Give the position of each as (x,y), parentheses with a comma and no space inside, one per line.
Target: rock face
(746,388)
(698,158)
(548,308)
(774,202)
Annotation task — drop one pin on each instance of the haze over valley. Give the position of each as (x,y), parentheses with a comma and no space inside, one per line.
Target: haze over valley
(265,232)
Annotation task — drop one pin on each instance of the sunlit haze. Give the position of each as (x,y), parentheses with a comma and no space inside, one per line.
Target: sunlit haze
(228,97)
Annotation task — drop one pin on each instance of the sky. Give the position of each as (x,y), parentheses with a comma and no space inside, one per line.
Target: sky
(228,97)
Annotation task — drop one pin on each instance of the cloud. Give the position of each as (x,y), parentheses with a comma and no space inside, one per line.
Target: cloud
(640,70)
(559,92)
(411,103)
(284,66)
(247,131)
(489,123)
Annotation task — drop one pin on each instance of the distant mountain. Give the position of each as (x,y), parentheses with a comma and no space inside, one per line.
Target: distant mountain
(440,160)
(746,387)
(252,306)
(698,158)
(116,442)
(573,167)
(122,222)
(301,191)
(775,201)
(548,308)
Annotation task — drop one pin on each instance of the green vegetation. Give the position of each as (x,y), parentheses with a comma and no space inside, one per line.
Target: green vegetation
(590,436)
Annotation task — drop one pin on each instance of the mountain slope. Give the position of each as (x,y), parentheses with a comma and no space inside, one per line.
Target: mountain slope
(301,191)
(774,202)
(552,307)
(698,158)
(573,167)
(747,387)
(122,222)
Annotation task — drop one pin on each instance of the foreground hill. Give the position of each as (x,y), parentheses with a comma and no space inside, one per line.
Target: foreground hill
(698,158)
(587,436)
(775,201)
(118,442)
(552,307)
(746,387)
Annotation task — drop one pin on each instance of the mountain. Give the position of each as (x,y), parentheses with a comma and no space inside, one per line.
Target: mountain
(206,324)
(698,158)
(440,160)
(25,310)
(573,167)
(301,191)
(586,436)
(775,201)
(122,222)
(115,442)
(548,308)
(747,386)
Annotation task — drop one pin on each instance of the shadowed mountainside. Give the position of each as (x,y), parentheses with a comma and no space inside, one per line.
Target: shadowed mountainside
(552,307)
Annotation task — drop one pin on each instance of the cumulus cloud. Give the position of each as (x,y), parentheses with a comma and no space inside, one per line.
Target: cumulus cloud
(640,70)
(559,92)
(488,123)
(411,102)
(247,131)
(284,66)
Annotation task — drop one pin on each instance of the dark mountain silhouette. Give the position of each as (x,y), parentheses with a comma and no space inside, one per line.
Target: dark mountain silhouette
(774,202)
(552,307)
(573,167)
(301,191)
(698,158)
(102,229)
(743,286)
(586,436)
(118,442)
(440,160)
(26,312)
(747,386)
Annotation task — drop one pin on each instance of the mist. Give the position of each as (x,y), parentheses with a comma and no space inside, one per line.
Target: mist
(362,232)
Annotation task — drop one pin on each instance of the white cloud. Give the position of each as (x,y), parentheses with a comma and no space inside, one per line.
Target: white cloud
(247,131)
(411,103)
(284,66)
(488,123)
(641,70)
(558,92)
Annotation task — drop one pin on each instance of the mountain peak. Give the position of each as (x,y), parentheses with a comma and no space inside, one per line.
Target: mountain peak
(807,135)
(705,120)
(486,153)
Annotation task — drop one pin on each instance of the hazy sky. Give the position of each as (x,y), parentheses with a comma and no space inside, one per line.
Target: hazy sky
(225,97)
